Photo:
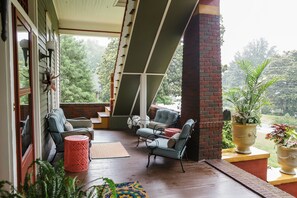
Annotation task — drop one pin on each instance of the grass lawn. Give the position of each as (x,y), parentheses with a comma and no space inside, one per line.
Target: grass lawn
(269,146)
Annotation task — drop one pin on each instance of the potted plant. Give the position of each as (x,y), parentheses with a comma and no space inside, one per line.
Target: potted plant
(247,102)
(52,182)
(285,137)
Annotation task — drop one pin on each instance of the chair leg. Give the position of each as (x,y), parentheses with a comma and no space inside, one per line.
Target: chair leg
(181,163)
(138,141)
(186,154)
(148,160)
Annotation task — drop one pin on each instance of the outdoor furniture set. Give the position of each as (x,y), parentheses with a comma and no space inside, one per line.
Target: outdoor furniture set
(164,141)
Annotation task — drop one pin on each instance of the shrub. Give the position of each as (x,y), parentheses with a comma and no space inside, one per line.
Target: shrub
(227,136)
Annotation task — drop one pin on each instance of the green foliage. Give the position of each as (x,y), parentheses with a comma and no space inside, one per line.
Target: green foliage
(284,93)
(171,84)
(222,30)
(286,119)
(105,68)
(52,182)
(227,141)
(255,52)
(283,135)
(76,76)
(269,146)
(248,100)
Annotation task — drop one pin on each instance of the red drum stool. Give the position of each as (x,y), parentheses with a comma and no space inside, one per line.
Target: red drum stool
(76,153)
(169,132)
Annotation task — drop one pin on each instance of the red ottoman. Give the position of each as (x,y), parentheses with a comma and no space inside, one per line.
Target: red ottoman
(169,132)
(76,153)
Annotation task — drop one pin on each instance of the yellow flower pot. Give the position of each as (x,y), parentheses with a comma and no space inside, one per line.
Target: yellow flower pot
(287,159)
(244,136)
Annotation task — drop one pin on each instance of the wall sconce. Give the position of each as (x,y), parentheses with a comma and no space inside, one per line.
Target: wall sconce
(50,46)
(25,47)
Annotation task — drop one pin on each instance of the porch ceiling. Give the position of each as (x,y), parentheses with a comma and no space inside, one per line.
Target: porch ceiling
(101,17)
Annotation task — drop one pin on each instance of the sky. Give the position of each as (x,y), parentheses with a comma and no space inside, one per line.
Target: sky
(101,40)
(248,20)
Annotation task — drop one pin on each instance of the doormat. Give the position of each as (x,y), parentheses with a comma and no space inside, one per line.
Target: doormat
(127,190)
(108,150)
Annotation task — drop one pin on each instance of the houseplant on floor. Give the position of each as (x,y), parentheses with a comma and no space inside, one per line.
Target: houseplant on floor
(52,182)
(285,137)
(247,102)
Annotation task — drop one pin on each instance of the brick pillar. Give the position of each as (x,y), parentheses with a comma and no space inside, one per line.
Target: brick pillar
(201,85)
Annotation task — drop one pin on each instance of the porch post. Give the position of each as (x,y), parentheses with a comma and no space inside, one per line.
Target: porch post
(201,85)
(8,165)
(143,97)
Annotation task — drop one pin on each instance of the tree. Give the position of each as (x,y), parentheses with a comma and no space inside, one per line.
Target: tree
(255,52)
(284,93)
(222,30)
(75,78)
(171,85)
(105,68)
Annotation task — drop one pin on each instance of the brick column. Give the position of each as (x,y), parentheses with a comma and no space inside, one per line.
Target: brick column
(201,85)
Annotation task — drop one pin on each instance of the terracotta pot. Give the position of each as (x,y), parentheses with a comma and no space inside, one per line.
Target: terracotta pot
(244,136)
(287,159)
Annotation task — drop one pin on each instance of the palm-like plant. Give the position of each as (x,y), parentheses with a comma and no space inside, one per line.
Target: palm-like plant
(249,99)
(52,182)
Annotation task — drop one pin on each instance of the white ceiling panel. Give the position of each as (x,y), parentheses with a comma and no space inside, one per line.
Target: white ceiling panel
(93,15)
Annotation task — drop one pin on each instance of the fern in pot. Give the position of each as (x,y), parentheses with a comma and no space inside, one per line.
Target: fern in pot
(247,102)
(52,182)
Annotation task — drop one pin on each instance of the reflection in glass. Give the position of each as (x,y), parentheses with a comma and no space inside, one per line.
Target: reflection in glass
(25,123)
(23,54)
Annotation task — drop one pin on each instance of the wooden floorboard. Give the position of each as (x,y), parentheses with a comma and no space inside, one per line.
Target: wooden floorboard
(164,177)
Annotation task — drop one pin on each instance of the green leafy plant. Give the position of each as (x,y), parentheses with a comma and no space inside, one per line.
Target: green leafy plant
(249,99)
(52,182)
(227,136)
(283,135)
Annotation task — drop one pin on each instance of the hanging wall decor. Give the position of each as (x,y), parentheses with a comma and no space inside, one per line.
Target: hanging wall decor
(48,80)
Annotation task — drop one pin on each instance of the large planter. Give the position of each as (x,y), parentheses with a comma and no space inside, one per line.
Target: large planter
(244,136)
(287,159)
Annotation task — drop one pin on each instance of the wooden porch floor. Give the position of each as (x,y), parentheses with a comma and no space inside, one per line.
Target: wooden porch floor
(164,178)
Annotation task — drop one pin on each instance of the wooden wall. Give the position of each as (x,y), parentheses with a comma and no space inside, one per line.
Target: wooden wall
(45,97)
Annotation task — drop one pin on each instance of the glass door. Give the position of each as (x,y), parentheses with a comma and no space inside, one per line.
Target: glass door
(23,95)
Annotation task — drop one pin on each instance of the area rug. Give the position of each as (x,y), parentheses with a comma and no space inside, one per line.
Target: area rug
(108,150)
(128,190)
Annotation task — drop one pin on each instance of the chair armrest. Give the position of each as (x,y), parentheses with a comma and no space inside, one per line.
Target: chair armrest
(157,128)
(157,125)
(162,136)
(80,122)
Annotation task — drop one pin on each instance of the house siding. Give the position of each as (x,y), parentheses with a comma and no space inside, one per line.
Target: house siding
(45,98)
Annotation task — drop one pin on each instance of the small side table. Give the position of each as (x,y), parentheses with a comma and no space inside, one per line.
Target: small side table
(169,132)
(76,153)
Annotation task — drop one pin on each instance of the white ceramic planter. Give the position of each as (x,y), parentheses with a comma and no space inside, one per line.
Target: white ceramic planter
(244,136)
(287,159)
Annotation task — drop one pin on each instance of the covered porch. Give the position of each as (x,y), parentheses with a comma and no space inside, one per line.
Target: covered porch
(146,47)
(164,178)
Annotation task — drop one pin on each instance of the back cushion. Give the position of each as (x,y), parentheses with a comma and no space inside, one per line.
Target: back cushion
(166,116)
(184,134)
(56,122)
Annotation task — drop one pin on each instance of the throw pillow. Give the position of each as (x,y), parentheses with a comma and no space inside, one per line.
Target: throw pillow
(68,126)
(172,141)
